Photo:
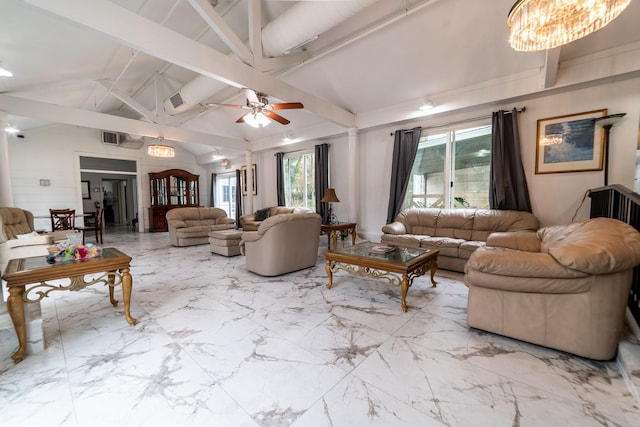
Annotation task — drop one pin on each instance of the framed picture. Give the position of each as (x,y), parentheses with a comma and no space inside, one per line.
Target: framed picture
(84,186)
(570,143)
(243,180)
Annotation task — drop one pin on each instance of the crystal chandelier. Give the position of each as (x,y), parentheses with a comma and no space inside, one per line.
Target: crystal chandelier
(545,24)
(161,150)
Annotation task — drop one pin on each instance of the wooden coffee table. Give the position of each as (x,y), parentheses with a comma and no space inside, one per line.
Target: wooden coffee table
(26,280)
(399,266)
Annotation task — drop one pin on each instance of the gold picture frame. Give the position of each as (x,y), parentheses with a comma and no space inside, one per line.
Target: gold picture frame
(243,180)
(571,143)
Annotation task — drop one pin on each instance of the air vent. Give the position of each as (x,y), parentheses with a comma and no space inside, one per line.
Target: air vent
(109,138)
(123,140)
(176,100)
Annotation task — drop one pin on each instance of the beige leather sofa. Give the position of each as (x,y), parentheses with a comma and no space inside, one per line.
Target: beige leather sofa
(191,226)
(251,222)
(282,243)
(564,287)
(456,233)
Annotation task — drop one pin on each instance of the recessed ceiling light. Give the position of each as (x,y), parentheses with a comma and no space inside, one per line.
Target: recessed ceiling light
(11,129)
(427,105)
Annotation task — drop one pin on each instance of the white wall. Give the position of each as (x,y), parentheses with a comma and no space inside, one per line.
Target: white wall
(52,152)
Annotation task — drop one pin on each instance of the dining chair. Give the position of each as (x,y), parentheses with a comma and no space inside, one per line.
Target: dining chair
(62,219)
(96,226)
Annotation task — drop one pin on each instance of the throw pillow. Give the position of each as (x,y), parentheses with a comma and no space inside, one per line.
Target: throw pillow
(263,214)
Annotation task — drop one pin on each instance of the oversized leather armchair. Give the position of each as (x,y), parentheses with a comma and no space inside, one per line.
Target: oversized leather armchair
(564,287)
(282,243)
(15,225)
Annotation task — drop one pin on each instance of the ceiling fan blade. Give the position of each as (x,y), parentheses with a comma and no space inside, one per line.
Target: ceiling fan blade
(287,106)
(277,117)
(251,95)
(241,119)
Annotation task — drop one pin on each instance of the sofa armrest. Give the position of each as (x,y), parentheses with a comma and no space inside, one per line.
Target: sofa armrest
(250,236)
(225,220)
(176,223)
(519,240)
(247,218)
(43,239)
(394,228)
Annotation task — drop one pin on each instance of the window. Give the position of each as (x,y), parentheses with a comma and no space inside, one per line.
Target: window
(226,195)
(299,180)
(451,170)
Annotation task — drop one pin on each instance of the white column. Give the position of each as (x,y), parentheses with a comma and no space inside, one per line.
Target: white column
(248,207)
(6,193)
(354,204)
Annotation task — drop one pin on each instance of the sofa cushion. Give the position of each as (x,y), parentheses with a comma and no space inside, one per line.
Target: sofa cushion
(446,245)
(595,246)
(468,247)
(487,221)
(455,223)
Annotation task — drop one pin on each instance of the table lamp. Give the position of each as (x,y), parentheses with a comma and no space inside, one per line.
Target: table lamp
(330,197)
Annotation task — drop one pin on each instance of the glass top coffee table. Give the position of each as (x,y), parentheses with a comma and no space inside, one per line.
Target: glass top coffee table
(27,282)
(397,265)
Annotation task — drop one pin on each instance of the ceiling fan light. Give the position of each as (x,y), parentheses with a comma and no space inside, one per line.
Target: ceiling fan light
(257,120)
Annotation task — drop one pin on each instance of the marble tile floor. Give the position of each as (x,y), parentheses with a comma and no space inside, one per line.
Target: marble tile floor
(216,345)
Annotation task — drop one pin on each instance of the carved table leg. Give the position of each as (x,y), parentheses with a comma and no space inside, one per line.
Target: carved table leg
(329,274)
(353,236)
(335,239)
(15,306)
(127,284)
(111,279)
(434,266)
(404,286)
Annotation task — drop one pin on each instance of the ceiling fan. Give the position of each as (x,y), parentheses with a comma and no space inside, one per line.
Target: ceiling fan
(261,112)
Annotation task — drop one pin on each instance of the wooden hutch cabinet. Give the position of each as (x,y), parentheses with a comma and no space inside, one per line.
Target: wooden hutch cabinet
(170,189)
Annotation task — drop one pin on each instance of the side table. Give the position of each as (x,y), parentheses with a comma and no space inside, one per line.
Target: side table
(343,229)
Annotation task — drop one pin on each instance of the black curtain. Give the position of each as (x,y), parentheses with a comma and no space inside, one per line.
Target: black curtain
(212,199)
(508,185)
(322,179)
(280,178)
(238,199)
(405,147)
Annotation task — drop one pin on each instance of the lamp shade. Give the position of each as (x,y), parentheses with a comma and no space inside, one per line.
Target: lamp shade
(330,196)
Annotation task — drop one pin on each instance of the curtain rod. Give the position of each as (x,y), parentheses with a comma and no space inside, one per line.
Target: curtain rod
(297,151)
(518,110)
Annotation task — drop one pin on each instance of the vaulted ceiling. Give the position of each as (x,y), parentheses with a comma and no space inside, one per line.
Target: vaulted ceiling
(114,65)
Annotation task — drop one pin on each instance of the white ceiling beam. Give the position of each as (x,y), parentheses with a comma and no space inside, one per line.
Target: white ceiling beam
(142,34)
(255,32)
(90,119)
(220,27)
(278,62)
(132,103)
(550,69)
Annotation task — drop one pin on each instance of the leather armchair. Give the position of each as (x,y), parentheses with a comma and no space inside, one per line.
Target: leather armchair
(15,222)
(283,243)
(564,287)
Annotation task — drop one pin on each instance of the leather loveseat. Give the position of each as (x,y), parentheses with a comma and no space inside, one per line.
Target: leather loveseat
(191,226)
(251,222)
(564,287)
(283,243)
(456,233)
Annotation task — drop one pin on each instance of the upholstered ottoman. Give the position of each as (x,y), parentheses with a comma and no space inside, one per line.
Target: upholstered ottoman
(225,242)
